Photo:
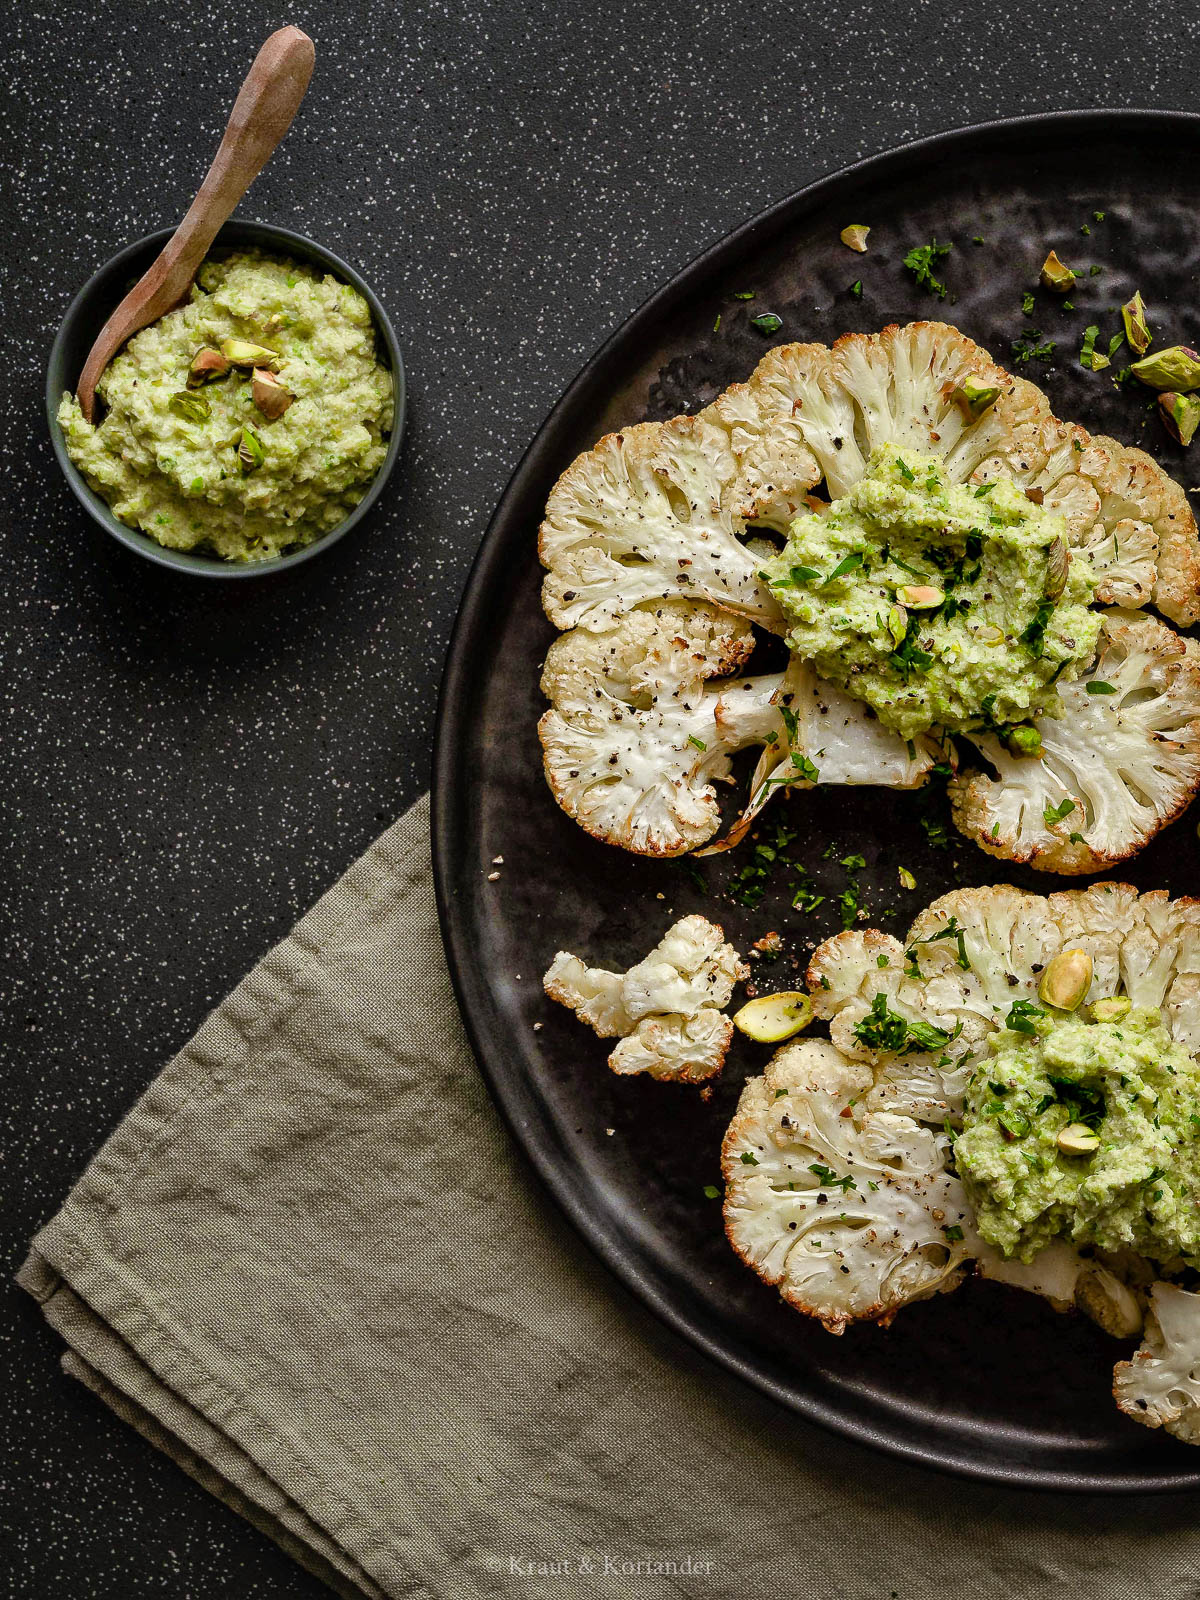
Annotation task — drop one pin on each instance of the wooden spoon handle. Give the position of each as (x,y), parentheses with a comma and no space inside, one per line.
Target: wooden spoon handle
(261,115)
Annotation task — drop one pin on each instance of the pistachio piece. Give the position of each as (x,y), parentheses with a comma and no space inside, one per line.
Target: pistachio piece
(1137,330)
(1058,564)
(270,396)
(250,451)
(774,1017)
(1112,1009)
(191,407)
(1023,739)
(974,397)
(1111,1304)
(207,364)
(919,596)
(1056,275)
(855,237)
(991,634)
(1180,415)
(241,353)
(1077,1139)
(1176,368)
(1036,497)
(1066,980)
(897,623)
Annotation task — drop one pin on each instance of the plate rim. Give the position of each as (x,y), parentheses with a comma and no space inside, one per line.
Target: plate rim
(459,689)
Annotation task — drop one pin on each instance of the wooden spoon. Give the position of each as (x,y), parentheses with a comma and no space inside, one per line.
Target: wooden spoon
(261,115)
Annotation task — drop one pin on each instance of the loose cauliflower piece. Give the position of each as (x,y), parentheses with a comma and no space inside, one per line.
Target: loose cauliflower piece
(1117,766)
(850,1216)
(637,737)
(1160,1386)
(667,1010)
(645,516)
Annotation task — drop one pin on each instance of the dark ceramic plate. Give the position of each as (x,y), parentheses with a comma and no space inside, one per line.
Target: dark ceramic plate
(986,1381)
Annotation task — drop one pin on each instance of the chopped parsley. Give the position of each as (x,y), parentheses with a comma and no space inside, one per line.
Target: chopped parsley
(1032,346)
(1021,1016)
(921,260)
(1053,814)
(1098,686)
(767,322)
(827,1178)
(885,1030)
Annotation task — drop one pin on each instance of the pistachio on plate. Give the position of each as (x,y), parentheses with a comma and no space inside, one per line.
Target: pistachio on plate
(855,237)
(1056,275)
(1137,330)
(1176,368)
(919,596)
(1180,415)
(974,397)
(1077,1139)
(774,1017)
(1066,980)
(1112,1009)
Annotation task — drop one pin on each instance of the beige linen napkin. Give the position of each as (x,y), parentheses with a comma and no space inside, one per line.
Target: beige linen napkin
(311,1266)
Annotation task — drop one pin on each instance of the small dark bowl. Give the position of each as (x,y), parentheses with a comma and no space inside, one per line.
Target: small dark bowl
(89,311)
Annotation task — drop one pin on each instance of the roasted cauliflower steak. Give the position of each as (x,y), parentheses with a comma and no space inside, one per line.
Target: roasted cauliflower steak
(839,1191)
(653,542)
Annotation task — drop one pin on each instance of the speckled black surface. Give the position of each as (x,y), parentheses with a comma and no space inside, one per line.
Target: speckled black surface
(186,771)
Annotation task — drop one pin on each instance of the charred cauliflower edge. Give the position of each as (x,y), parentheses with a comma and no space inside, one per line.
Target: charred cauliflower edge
(836,1188)
(653,573)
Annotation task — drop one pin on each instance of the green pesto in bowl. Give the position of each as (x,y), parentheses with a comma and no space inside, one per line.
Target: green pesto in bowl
(271,453)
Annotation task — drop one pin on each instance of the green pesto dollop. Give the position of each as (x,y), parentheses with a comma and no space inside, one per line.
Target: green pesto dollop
(991,651)
(173,469)
(1136,1088)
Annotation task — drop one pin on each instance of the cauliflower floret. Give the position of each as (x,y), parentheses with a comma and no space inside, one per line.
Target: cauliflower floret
(637,737)
(645,516)
(1118,765)
(1160,1386)
(1053,1273)
(895,387)
(971,955)
(667,1010)
(850,1216)
(823,735)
